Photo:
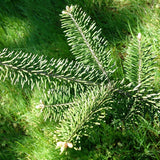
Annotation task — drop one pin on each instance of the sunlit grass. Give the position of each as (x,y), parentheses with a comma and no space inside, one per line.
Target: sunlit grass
(14,32)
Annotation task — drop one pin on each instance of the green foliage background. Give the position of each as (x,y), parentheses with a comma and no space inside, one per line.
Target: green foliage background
(34,26)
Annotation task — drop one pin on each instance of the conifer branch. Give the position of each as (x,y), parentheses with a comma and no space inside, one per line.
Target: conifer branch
(61,105)
(140,71)
(140,64)
(84,114)
(87,44)
(31,69)
(140,59)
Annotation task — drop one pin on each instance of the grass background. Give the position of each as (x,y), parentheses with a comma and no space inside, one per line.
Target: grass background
(34,26)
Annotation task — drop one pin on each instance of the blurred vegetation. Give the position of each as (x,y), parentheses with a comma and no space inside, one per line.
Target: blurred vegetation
(34,26)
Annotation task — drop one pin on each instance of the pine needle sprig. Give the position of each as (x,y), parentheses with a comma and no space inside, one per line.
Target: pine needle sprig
(32,69)
(140,71)
(86,41)
(85,113)
(140,63)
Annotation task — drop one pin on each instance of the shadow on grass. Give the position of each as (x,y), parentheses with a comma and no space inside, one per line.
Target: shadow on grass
(13,106)
(8,140)
(33,26)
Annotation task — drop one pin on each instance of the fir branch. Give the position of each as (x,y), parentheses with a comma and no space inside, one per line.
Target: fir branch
(31,69)
(140,71)
(54,112)
(140,64)
(140,59)
(87,44)
(60,105)
(84,114)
